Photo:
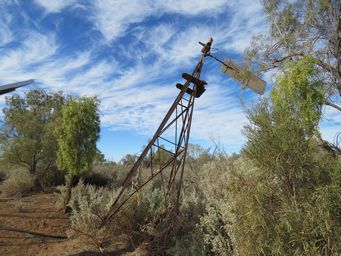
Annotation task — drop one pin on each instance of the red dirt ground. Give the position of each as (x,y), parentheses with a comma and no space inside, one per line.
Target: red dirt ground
(37,213)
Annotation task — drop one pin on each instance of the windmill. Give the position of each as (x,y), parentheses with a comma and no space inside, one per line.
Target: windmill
(12,87)
(172,136)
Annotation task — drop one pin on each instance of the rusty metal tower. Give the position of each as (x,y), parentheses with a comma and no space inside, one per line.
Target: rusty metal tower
(172,136)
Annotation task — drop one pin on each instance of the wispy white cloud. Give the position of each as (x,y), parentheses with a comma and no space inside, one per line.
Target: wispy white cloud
(173,50)
(331,114)
(5,33)
(36,49)
(330,133)
(219,114)
(112,19)
(246,20)
(55,6)
(184,46)
(59,73)
(192,7)
(137,84)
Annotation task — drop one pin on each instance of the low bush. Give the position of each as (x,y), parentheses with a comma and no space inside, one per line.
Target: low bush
(102,175)
(89,206)
(106,174)
(50,178)
(18,182)
(131,225)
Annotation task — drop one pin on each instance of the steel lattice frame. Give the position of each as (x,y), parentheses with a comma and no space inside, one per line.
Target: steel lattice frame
(178,119)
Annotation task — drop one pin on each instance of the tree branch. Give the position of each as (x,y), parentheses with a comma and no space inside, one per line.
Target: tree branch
(338,50)
(328,103)
(326,66)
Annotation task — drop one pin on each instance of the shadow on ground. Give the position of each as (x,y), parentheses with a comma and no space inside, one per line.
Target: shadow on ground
(112,253)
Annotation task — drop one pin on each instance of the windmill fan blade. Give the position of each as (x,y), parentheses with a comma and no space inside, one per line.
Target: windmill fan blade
(11,87)
(246,77)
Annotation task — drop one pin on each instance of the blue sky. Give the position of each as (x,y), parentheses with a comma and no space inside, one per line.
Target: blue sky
(130,54)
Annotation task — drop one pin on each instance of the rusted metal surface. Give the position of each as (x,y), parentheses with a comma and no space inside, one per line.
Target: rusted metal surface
(206,47)
(178,119)
(200,90)
(194,79)
(244,76)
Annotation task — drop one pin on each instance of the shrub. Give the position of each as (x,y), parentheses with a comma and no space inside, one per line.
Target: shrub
(215,221)
(50,178)
(102,175)
(186,238)
(89,206)
(290,203)
(26,133)
(215,227)
(17,183)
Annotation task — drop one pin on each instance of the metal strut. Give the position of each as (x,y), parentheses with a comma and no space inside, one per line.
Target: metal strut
(178,118)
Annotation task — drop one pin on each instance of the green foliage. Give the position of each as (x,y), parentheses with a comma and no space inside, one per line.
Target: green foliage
(131,225)
(289,204)
(89,206)
(102,175)
(197,156)
(215,220)
(298,28)
(297,97)
(278,134)
(129,160)
(204,220)
(269,221)
(216,230)
(280,197)
(99,157)
(150,203)
(26,135)
(77,135)
(186,238)
(158,157)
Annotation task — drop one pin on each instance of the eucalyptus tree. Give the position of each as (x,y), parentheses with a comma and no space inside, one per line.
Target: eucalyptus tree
(298,28)
(77,135)
(288,203)
(26,133)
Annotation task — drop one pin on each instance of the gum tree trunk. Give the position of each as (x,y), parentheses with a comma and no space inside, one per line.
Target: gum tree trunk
(69,181)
